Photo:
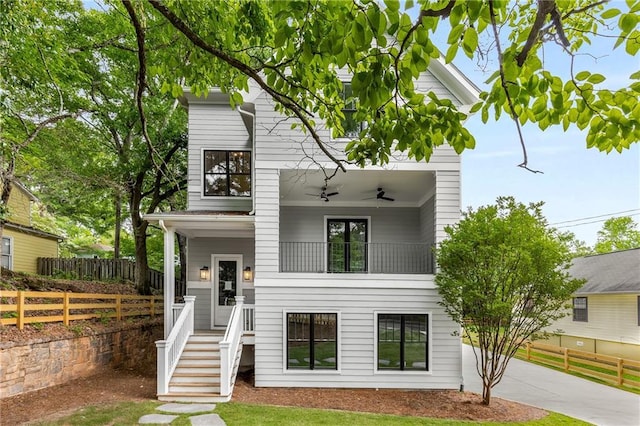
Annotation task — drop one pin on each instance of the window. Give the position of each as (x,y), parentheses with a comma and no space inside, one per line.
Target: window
(227,173)
(312,341)
(403,342)
(580,309)
(7,253)
(351,127)
(347,245)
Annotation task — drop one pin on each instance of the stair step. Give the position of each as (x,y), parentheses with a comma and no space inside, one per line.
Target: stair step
(193,397)
(194,387)
(203,369)
(212,375)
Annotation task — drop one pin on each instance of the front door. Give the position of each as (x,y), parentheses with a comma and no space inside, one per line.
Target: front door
(226,286)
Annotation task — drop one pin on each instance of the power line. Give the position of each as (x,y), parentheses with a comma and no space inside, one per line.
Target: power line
(595,217)
(593,221)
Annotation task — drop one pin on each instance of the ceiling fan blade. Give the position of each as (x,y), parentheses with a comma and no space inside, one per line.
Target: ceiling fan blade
(387,198)
(312,195)
(331,194)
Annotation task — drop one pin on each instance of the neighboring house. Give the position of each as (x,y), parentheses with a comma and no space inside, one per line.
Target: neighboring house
(605,313)
(22,244)
(337,277)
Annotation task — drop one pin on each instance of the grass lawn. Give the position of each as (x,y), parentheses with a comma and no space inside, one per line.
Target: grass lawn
(128,413)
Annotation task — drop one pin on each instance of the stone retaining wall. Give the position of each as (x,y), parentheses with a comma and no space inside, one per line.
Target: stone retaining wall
(41,364)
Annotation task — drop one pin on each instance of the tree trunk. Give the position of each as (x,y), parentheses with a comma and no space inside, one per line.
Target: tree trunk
(142,267)
(182,250)
(486,393)
(117,226)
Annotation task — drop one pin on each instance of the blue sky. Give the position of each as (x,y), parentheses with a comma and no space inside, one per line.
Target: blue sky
(576,182)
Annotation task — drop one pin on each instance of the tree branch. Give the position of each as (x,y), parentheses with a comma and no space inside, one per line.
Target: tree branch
(245,69)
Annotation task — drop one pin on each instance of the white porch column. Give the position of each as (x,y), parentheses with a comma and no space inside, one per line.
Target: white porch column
(169,277)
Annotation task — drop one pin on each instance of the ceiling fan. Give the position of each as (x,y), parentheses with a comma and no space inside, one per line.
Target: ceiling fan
(324,195)
(380,196)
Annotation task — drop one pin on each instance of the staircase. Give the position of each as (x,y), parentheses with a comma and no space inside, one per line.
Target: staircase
(197,374)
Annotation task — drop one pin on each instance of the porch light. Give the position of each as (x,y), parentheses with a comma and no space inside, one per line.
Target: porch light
(204,273)
(247,275)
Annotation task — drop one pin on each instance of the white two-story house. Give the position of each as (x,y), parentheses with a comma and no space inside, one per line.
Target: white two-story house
(312,282)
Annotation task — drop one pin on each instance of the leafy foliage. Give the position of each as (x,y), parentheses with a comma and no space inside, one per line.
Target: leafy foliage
(503,278)
(618,233)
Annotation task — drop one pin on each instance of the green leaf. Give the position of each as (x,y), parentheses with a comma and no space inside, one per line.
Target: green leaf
(596,78)
(582,75)
(610,13)
(451,53)
(628,21)
(392,5)
(470,41)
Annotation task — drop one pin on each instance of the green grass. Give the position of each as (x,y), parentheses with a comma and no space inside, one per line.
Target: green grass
(128,413)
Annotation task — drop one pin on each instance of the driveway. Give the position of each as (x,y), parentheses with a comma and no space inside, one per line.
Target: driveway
(556,391)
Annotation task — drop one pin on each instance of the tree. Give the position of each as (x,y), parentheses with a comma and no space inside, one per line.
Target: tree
(294,52)
(618,233)
(503,277)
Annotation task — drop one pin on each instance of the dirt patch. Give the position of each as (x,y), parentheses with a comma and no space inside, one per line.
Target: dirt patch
(126,385)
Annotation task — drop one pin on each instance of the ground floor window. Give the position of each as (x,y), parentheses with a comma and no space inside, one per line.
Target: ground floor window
(403,342)
(580,309)
(7,253)
(312,341)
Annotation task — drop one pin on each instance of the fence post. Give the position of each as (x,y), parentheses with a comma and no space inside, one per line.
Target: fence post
(528,351)
(65,308)
(566,359)
(620,371)
(20,310)
(118,307)
(151,308)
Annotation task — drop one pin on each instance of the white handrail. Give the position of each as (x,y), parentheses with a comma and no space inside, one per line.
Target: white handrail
(229,347)
(169,350)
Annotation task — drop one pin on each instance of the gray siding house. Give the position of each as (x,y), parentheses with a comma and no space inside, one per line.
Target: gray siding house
(311,283)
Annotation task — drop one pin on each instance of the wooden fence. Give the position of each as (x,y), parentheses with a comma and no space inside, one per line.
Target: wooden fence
(96,270)
(617,371)
(28,307)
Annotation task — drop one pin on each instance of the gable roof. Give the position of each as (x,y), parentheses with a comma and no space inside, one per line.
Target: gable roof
(616,272)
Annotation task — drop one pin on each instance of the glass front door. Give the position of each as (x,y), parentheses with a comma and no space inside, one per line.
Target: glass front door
(226,280)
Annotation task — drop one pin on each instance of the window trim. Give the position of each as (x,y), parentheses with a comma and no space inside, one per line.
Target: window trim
(429,370)
(325,231)
(285,338)
(11,250)
(203,175)
(585,309)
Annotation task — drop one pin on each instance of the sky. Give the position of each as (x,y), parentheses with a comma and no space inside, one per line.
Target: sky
(576,182)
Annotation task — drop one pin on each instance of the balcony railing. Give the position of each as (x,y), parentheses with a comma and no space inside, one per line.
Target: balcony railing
(356,257)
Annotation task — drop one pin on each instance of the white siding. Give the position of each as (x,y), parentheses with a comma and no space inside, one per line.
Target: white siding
(386,225)
(202,307)
(611,317)
(214,126)
(447,202)
(427,222)
(200,251)
(356,330)
(267,226)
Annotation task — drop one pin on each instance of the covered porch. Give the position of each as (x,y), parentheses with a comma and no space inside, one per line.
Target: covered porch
(359,222)
(204,336)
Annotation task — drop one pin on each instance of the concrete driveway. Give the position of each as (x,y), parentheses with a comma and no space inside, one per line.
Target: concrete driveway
(556,391)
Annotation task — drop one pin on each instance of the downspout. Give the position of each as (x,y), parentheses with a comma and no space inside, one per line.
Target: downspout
(253,159)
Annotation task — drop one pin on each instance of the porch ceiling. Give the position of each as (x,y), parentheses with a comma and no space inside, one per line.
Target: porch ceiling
(207,225)
(357,188)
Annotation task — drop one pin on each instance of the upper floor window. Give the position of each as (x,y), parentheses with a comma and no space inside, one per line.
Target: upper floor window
(351,127)
(580,309)
(7,253)
(227,173)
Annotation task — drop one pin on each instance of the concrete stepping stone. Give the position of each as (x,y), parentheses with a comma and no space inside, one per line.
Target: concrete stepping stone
(158,419)
(186,408)
(207,420)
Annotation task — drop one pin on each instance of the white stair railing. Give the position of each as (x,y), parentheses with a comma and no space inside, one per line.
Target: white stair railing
(229,347)
(248,318)
(169,350)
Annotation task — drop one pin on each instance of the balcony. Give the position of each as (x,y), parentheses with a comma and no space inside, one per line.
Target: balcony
(356,258)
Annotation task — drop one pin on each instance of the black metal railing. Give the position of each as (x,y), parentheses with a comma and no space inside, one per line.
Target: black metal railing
(356,257)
